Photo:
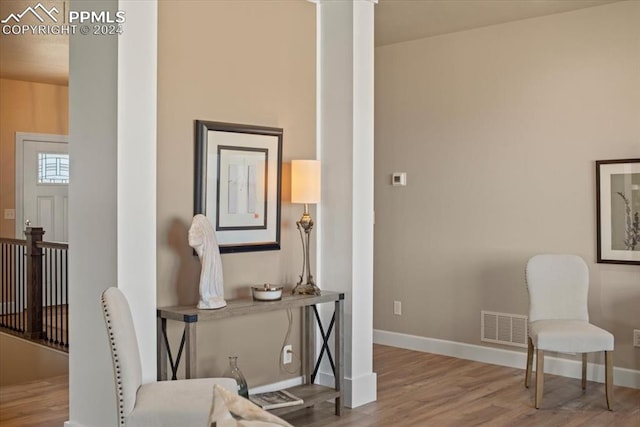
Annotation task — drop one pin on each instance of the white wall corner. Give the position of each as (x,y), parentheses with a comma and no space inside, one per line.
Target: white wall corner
(514,359)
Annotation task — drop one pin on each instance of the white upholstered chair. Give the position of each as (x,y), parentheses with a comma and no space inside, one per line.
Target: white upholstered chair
(163,403)
(559,319)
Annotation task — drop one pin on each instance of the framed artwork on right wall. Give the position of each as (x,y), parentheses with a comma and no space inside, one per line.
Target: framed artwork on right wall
(618,211)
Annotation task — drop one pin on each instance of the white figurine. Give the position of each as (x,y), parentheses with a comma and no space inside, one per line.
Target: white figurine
(202,238)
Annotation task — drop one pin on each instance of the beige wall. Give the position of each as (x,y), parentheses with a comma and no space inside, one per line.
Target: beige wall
(239,62)
(498,129)
(25,107)
(22,360)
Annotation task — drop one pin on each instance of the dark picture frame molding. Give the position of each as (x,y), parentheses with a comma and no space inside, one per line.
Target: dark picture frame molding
(257,229)
(607,252)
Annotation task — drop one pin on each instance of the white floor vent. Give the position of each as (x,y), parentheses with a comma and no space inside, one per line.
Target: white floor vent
(504,328)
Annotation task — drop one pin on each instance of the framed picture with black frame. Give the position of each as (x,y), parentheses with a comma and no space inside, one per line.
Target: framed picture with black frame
(618,211)
(238,175)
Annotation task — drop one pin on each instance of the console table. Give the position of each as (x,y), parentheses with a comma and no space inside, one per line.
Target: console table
(309,392)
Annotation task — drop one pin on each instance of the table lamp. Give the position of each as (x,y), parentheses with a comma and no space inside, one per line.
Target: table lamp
(305,188)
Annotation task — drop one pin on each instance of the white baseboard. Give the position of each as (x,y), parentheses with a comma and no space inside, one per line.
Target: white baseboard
(356,392)
(496,356)
(292,382)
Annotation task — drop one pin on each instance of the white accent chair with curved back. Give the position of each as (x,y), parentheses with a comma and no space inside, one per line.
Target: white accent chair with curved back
(163,403)
(558,288)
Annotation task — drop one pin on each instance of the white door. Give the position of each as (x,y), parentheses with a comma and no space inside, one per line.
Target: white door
(43,173)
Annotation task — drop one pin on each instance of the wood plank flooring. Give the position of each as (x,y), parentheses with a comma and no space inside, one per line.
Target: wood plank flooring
(41,403)
(423,389)
(414,389)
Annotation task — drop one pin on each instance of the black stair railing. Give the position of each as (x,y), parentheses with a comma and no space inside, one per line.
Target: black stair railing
(34,289)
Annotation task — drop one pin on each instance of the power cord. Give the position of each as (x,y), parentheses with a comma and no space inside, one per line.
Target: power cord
(293,354)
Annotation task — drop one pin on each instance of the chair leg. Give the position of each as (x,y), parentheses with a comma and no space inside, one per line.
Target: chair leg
(584,371)
(539,376)
(608,379)
(527,377)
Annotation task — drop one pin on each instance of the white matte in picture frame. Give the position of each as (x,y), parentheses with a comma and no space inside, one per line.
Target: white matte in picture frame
(238,174)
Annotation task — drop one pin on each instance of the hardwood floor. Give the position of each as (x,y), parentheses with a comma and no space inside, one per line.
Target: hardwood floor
(414,389)
(40,403)
(422,389)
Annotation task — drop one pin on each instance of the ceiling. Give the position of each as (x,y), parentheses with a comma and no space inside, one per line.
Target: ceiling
(40,58)
(402,20)
(45,58)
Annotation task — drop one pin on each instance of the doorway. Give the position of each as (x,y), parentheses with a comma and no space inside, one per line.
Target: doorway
(42,184)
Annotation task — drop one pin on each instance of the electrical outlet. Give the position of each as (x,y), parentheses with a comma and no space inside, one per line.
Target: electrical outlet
(397,308)
(636,337)
(287,352)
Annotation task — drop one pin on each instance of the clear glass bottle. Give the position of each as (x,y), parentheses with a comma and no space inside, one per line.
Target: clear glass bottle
(236,373)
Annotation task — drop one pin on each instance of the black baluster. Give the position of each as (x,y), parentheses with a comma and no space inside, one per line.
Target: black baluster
(65,316)
(47,295)
(19,310)
(55,297)
(50,284)
(4,283)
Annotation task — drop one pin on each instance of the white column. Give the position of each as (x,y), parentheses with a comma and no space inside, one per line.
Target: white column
(345,147)
(92,219)
(112,102)
(137,93)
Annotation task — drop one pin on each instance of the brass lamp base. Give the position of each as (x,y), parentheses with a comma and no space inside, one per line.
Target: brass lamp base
(304,227)
(306,289)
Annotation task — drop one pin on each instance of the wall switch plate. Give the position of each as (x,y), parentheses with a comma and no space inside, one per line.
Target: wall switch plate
(636,337)
(397,308)
(287,352)
(9,214)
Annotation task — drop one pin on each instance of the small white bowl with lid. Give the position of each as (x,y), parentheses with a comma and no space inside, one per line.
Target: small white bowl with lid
(267,292)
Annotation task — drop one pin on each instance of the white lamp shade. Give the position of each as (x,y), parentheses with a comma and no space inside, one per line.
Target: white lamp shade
(305,181)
